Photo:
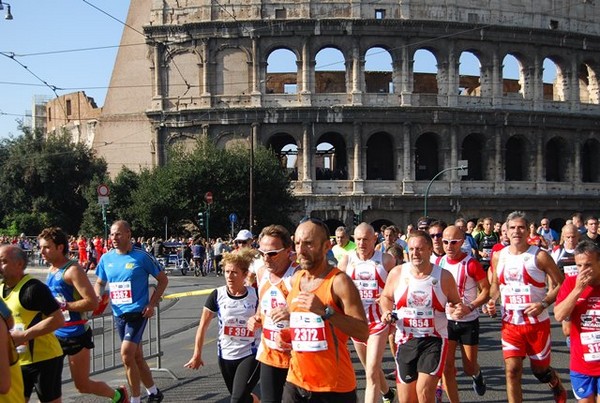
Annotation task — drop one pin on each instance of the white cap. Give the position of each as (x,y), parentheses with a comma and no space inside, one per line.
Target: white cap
(243,235)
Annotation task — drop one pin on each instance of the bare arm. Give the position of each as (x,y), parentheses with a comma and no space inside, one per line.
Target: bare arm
(75,276)
(388,262)
(353,321)
(47,325)
(386,300)
(196,361)
(563,310)
(99,287)
(161,285)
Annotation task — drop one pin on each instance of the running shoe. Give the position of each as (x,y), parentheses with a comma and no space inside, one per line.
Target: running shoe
(479,384)
(391,376)
(559,392)
(386,400)
(156,397)
(123,392)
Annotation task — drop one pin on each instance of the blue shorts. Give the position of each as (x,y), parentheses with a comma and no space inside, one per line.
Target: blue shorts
(131,326)
(584,385)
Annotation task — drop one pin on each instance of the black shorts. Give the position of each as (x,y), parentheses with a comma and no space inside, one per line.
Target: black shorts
(46,377)
(422,354)
(295,394)
(466,333)
(73,345)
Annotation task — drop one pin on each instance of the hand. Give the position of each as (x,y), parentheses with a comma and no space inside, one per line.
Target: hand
(458,311)
(310,302)
(534,309)
(280,314)
(584,278)
(194,363)
(491,308)
(18,337)
(283,338)
(254,323)
(148,311)
(389,317)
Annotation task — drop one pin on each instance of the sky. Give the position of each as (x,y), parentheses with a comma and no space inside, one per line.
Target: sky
(59,42)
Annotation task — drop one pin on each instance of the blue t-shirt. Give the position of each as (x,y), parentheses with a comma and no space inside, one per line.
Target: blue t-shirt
(127,275)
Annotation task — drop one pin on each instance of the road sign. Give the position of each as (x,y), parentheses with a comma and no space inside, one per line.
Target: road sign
(208,197)
(464,167)
(103,190)
(233,218)
(103,200)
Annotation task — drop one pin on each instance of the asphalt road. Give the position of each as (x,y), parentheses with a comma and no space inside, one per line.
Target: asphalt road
(179,320)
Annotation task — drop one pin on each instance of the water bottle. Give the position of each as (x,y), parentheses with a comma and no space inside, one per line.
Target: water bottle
(21,348)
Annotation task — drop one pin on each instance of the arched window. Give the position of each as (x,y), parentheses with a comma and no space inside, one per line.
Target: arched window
(330,71)
(426,157)
(512,77)
(380,157)
(378,71)
(472,151)
(469,74)
(285,148)
(425,72)
(556,160)
(331,161)
(515,159)
(590,155)
(282,72)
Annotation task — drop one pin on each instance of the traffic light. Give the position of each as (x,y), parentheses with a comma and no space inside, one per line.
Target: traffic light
(201,219)
(356,219)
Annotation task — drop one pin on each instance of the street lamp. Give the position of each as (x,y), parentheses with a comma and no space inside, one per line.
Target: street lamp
(464,164)
(8,15)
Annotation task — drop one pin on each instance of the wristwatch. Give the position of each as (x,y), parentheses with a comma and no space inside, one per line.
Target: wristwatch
(544,304)
(328,312)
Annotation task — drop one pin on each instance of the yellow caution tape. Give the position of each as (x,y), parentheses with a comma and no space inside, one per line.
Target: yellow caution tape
(189,293)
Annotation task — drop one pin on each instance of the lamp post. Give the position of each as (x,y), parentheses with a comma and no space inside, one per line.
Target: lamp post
(8,15)
(463,168)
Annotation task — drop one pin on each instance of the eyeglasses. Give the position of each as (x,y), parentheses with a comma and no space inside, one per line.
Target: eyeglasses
(270,253)
(438,235)
(451,241)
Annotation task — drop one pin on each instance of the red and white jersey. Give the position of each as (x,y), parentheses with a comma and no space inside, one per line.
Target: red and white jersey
(521,284)
(420,305)
(369,276)
(468,273)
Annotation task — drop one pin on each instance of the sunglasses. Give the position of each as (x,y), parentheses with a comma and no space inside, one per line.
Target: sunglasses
(438,235)
(451,241)
(270,253)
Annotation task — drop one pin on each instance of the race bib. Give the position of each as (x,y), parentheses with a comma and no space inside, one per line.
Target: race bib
(368,289)
(570,271)
(120,292)
(418,321)
(308,332)
(590,341)
(517,298)
(236,328)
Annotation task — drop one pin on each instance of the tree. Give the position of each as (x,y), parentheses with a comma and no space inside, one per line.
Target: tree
(176,191)
(43,181)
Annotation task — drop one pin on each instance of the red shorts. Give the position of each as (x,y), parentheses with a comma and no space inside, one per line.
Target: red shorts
(529,340)
(374,328)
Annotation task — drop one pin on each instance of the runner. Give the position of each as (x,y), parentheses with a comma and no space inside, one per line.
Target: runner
(417,292)
(325,304)
(274,284)
(127,269)
(469,276)
(579,299)
(369,268)
(234,304)
(520,273)
(75,295)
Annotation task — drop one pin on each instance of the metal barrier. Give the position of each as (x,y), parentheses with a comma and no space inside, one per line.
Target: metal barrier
(106,355)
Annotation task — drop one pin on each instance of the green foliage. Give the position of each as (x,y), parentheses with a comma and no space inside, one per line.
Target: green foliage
(176,191)
(43,181)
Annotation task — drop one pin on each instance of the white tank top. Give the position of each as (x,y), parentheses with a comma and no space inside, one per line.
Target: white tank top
(420,305)
(467,285)
(369,276)
(235,340)
(521,283)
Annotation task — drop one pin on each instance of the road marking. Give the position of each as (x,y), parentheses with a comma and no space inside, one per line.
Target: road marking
(189,293)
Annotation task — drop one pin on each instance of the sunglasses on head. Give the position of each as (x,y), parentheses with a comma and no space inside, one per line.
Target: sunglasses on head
(270,253)
(451,241)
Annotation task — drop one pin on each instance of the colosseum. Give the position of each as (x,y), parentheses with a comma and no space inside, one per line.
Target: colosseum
(384,142)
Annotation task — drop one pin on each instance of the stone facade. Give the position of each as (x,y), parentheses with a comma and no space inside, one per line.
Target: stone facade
(193,68)
(76,113)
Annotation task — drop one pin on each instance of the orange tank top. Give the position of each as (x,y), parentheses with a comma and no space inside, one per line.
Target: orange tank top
(320,360)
